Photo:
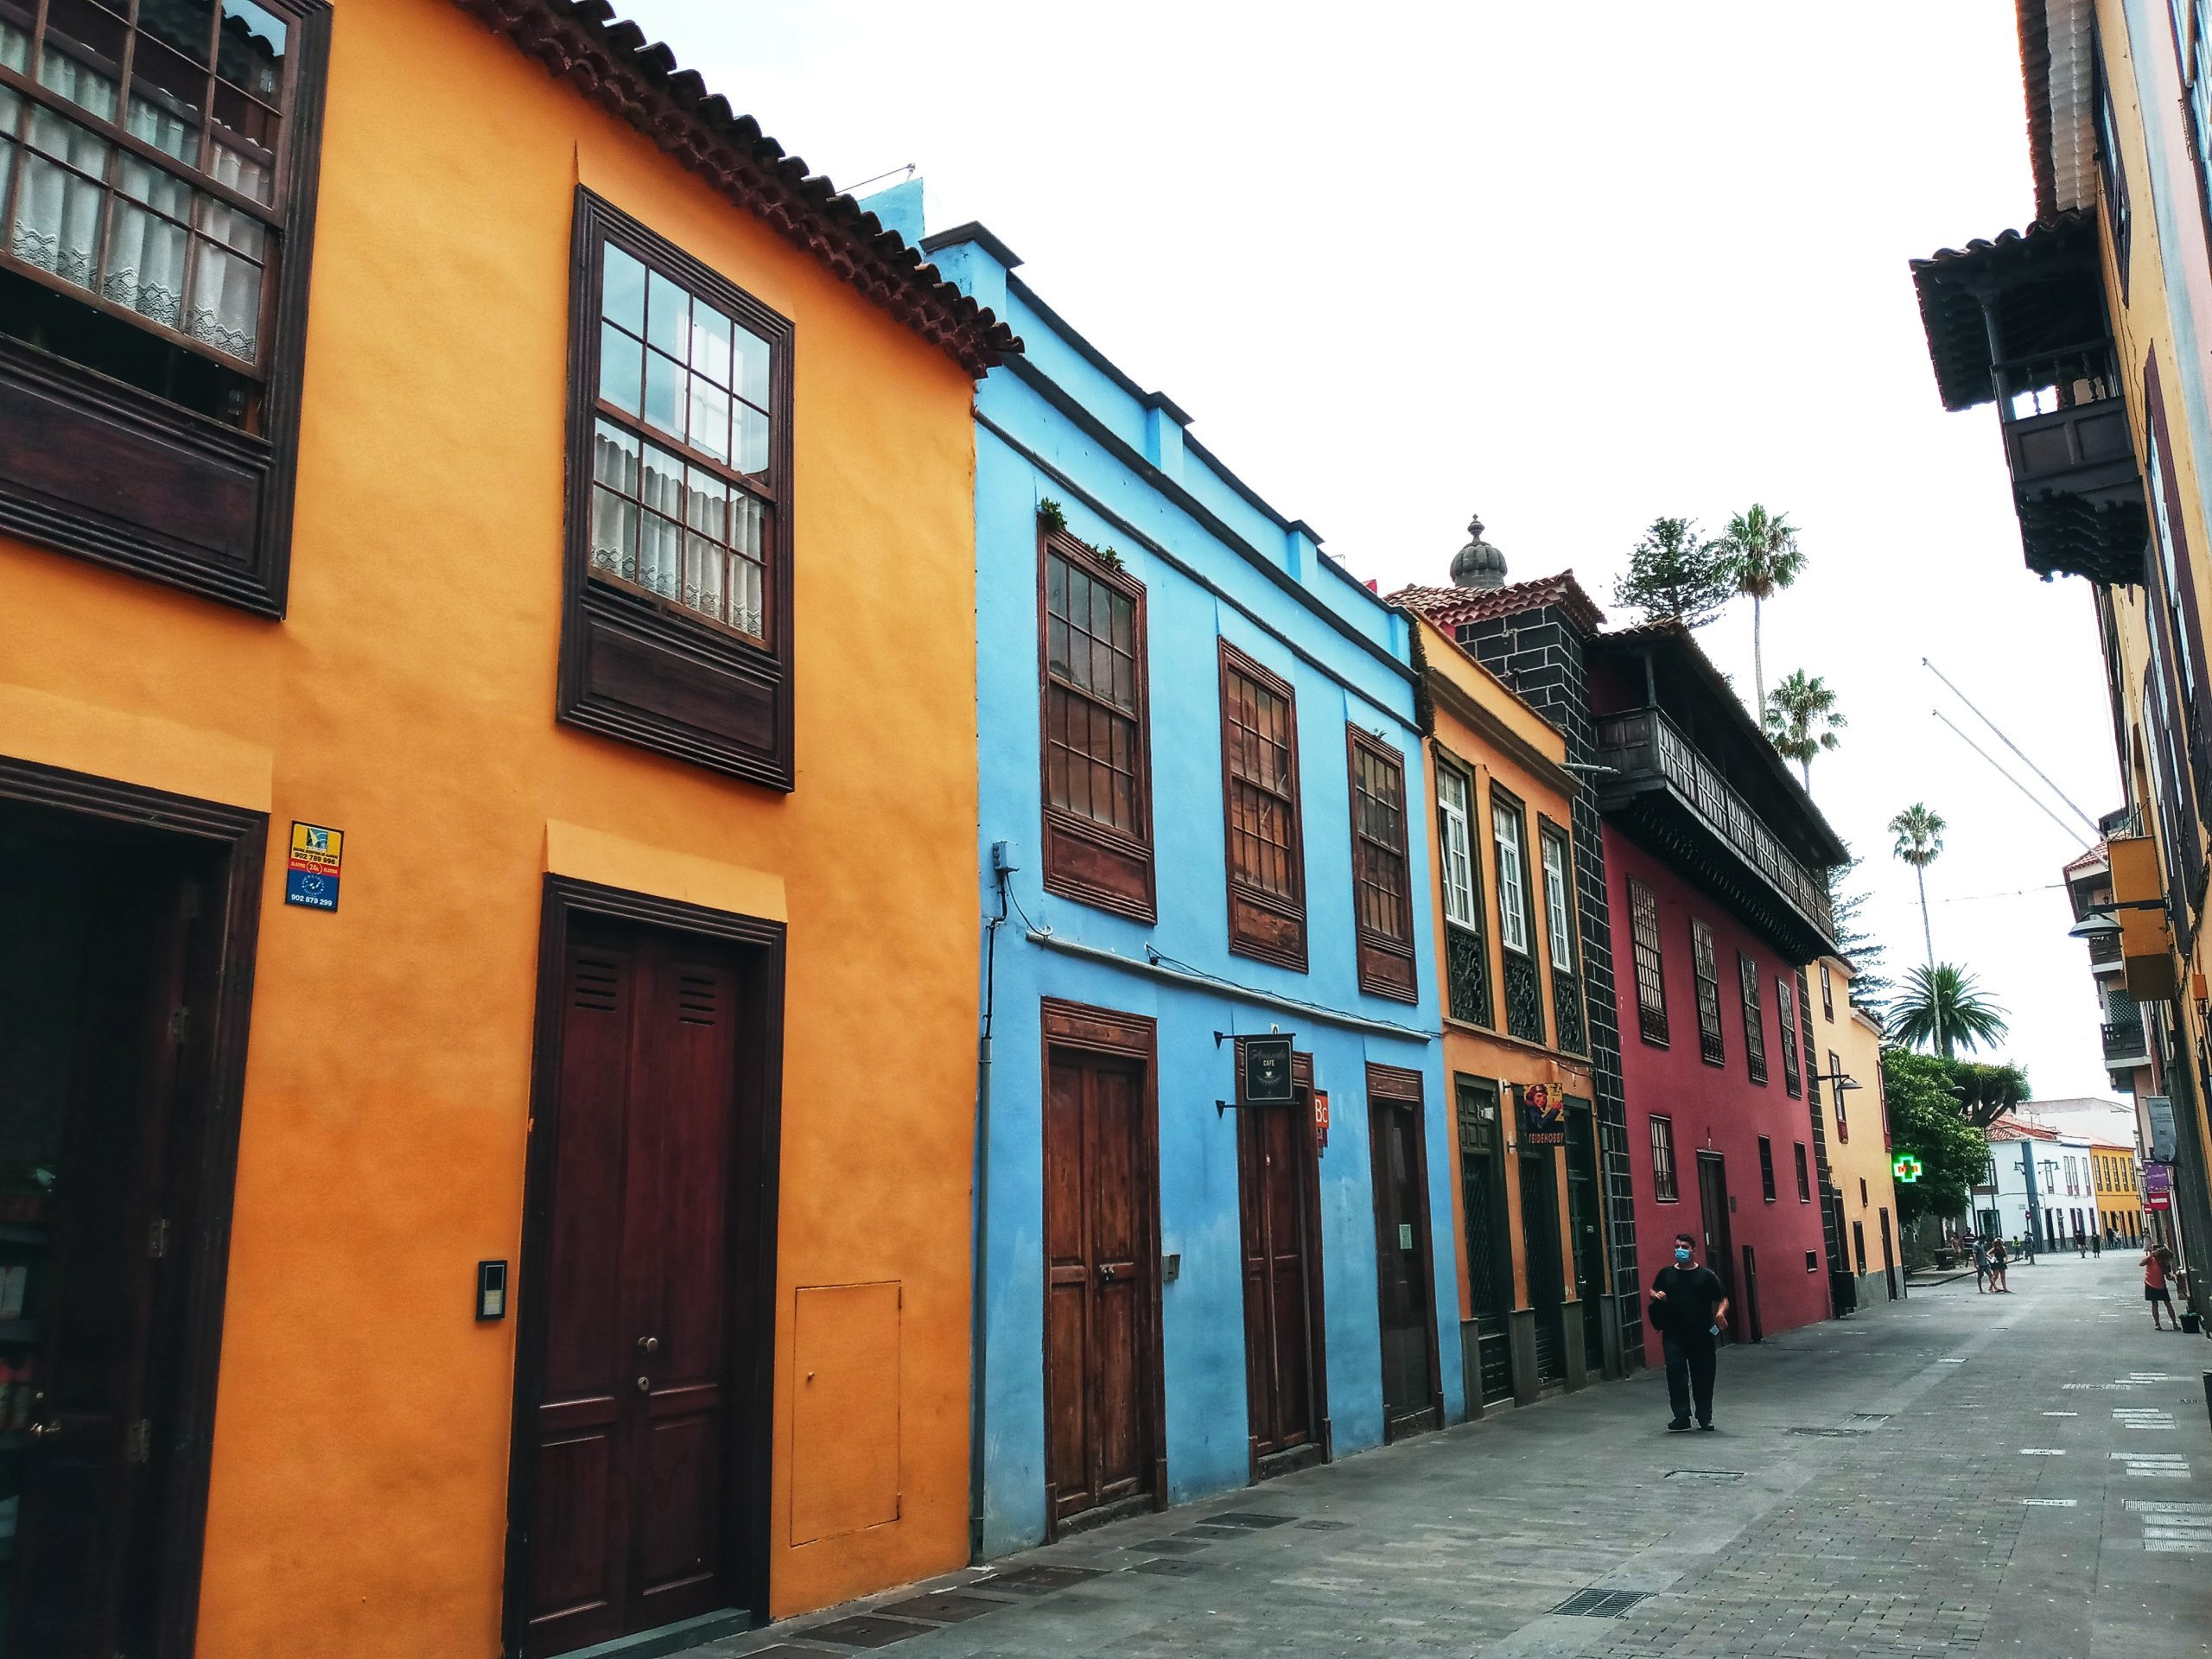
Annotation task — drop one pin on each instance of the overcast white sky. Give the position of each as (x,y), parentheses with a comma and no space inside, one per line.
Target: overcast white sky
(1571,266)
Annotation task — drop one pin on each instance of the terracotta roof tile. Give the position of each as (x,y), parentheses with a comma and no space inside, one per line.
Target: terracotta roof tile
(609,60)
(1455,608)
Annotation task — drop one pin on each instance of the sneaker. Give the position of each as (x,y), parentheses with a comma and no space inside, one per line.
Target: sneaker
(1680,1426)
(1705,1428)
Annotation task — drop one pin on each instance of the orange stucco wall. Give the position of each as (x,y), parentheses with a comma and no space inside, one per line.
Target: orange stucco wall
(360,1465)
(1470,1051)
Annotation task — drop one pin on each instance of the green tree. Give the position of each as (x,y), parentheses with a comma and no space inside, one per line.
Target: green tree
(1759,556)
(1943,1008)
(1926,1120)
(1801,720)
(1871,987)
(1675,575)
(1988,1089)
(1919,843)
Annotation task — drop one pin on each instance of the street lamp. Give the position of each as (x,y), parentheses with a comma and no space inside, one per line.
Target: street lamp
(2099,924)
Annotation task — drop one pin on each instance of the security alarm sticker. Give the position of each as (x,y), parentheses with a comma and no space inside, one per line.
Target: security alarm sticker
(311,871)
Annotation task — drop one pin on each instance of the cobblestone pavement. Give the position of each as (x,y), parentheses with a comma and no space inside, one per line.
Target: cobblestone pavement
(1958,1473)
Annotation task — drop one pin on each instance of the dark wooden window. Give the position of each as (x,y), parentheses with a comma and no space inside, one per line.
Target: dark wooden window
(1804,1175)
(1842,1121)
(158,175)
(1785,1005)
(1766,1168)
(1382,886)
(1561,934)
(1708,993)
(1266,855)
(1097,769)
(678,622)
(2111,173)
(1467,951)
(1650,982)
(1662,1159)
(1754,1022)
(1516,926)
(1827,995)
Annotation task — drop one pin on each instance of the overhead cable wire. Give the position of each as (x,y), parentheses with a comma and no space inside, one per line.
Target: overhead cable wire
(2015,748)
(2064,828)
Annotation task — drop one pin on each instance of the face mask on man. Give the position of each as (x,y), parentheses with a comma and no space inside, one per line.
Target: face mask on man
(1682,1253)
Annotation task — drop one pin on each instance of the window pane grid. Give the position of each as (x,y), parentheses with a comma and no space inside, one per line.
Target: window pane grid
(1651,983)
(1708,993)
(1559,912)
(1454,842)
(1512,879)
(677,531)
(1662,1159)
(1766,1169)
(1754,1022)
(207,85)
(1262,804)
(1785,1003)
(1378,822)
(1090,735)
(1804,1176)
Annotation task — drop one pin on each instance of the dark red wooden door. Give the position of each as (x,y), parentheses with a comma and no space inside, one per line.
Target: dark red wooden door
(628,1520)
(1719,1249)
(1401,1255)
(97,1429)
(1098,1285)
(1282,1271)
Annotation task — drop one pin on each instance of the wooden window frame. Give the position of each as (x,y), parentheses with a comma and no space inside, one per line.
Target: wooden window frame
(1466,941)
(1468,814)
(1665,1174)
(1785,1005)
(1264,925)
(1091,863)
(1804,1174)
(1705,973)
(1827,995)
(636,666)
(1506,810)
(1747,972)
(1556,936)
(1842,1118)
(1644,942)
(101,470)
(1386,964)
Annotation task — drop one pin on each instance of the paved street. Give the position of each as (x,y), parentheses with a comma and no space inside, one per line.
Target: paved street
(1995,1475)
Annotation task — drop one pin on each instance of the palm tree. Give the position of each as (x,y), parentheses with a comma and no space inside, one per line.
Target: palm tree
(1919,835)
(1759,554)
(1802,719)
(1942,1008)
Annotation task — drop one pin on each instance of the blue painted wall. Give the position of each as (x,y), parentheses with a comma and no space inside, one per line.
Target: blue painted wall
(1127,476)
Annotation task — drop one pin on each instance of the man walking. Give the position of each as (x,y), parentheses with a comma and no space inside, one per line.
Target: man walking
(1688,1302)
(1981,1263)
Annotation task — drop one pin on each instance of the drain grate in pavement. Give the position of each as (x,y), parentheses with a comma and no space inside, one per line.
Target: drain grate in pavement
(866,1630)
(1324,1525)
(1038,1581)
(945,1607)
(1600,1603)
(1249,1519)
(1704,1474)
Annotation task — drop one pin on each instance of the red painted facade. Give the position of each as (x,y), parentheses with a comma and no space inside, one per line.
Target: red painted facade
(1717,1109)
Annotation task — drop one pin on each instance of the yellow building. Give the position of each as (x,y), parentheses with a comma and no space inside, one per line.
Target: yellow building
(1863,1191)
(2087,330)
(488,815)
(1527,1206)
(2119,1190)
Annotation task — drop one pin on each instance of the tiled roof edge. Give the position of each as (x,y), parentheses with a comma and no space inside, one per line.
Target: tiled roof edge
(610,61)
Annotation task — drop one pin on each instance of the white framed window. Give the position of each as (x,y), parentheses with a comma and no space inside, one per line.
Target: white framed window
(1559,912)
(1456,846)
(1512,879)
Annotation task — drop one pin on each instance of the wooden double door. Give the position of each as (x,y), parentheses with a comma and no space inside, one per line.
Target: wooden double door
(1102,1253)
(1278,1184)
(648,1260)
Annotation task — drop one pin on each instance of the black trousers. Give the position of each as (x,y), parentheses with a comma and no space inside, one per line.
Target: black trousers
(1689,1376)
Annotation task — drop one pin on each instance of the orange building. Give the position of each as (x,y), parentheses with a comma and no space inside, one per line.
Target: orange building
(487,785)
(1526,1205)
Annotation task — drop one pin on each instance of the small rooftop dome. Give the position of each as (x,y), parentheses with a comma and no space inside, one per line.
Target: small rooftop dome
(1477,564)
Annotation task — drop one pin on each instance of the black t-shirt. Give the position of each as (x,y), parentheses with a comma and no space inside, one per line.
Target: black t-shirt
(1692,1295)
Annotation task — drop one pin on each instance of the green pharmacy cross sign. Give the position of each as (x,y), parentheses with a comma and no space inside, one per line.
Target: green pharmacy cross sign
(1906,1167)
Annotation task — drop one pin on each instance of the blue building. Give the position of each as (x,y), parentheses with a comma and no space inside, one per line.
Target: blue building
(1203,820)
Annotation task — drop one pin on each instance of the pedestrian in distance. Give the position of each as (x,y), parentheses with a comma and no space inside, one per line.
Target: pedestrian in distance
(1981,1265)
(1999,1259)
(2157,1273)
(2097,1245)
(1688,1302)
(2081,1246)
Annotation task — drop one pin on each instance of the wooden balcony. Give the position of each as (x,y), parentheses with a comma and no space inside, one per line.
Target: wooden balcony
(1677,801)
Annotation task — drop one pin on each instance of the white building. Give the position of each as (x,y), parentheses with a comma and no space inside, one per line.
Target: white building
(2041,1182)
